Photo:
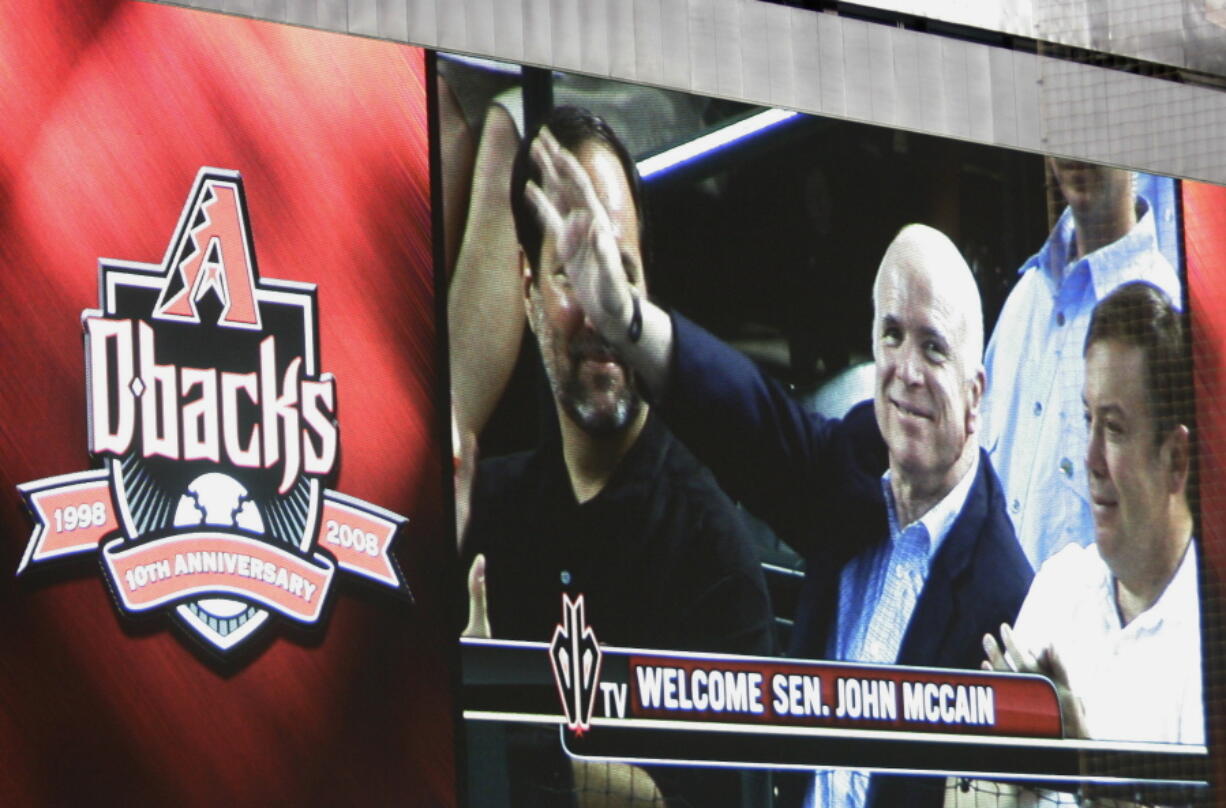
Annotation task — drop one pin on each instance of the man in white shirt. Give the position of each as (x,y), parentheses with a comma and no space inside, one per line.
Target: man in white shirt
(1032,425)
(1116,625)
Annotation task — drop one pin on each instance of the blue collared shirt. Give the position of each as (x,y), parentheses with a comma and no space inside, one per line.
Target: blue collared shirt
(878,590)
(1033,424)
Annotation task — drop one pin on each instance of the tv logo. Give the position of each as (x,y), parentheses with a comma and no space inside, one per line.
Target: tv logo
(575,657)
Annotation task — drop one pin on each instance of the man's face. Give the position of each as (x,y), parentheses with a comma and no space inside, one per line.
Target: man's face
(927,395)
(1091,189)
(1129,472)
(590,381)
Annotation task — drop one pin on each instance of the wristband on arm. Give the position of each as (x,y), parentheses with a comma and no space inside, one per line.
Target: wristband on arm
(635,329)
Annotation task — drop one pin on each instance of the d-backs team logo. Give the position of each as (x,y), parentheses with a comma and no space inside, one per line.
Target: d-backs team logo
(575,657)
(216,430)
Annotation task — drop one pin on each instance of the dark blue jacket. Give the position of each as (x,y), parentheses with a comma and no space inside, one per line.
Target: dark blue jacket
(817,483)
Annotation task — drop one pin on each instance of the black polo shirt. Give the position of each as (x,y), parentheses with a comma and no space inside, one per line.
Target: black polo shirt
(663,558)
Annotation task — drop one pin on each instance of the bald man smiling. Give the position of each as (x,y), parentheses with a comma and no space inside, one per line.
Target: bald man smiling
(910,554)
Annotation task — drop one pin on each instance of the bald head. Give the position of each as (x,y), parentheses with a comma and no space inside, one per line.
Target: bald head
(926,254)
(928,351)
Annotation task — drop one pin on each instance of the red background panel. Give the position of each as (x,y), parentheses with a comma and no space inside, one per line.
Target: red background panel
(109,110)
(1204,217)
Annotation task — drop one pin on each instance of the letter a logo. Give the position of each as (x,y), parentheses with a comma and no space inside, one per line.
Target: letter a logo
(575,657)
(210,252)
(217,439)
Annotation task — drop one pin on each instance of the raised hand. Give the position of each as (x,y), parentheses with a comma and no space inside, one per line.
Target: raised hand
(572,213)
(478,612)
(1071,709)
(464,461)
(1009,655)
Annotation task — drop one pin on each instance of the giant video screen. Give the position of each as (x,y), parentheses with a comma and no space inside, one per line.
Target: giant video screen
(806,462)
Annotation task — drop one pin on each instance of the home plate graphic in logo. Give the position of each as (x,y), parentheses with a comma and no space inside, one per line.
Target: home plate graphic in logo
(216,429)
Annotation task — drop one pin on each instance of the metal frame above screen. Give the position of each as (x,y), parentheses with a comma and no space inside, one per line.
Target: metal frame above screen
(819,62)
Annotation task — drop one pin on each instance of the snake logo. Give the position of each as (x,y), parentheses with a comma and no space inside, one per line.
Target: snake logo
(575,657)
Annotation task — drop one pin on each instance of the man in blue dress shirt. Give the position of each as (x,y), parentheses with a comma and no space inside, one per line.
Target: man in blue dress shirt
(909,551)
(1032,414)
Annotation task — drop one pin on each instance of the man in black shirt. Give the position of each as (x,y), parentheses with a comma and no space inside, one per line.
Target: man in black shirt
(659,553)
(610,505)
